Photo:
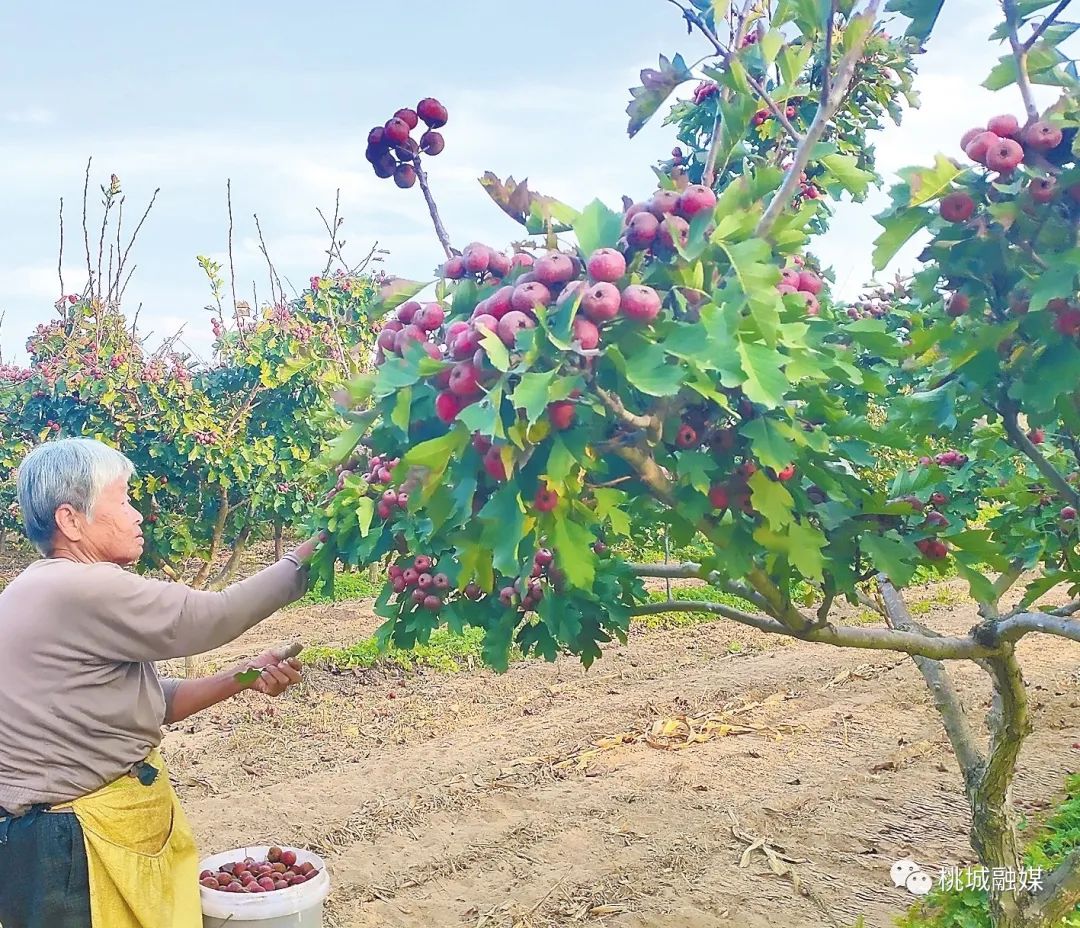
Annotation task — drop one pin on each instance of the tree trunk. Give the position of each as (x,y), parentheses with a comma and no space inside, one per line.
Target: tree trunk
(279,540)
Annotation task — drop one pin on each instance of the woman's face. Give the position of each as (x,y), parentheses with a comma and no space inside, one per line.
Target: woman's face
(113,535)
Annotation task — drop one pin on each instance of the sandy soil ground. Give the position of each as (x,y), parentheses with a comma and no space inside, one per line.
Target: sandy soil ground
(554,796)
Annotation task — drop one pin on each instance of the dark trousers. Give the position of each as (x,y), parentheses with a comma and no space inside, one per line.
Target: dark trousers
(44,878)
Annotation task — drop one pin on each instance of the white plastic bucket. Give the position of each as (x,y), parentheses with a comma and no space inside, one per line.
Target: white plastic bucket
(296,907)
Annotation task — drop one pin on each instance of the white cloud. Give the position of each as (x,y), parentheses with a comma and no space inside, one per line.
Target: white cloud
(30,116)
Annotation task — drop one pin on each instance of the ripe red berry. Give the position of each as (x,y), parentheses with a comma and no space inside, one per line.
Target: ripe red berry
(640,303)
(809,282)
(432,142)
(546,499)
(493,464)
(606,265)
(718,496)
(786,474)
(554,269)
(978,147)
(463,379)
(687,436)
(408,117)
(511,325)
(642,229)
(1007,126)
(526,297)
(601,301)
(663,202)
(396,131)
(432,112)
(454,268)
(957,207)
(585,333)
(1004,156)
(1067,514)
(561,415)
(1037,436)
(1042,189)
(695,199)
(404,176)
(958,305)
(448,405)
(1041,136)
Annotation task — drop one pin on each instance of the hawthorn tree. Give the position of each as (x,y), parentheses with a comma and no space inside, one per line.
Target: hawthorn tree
(680,363)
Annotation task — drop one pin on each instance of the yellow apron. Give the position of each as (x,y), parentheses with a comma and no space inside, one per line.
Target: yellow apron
(144,868)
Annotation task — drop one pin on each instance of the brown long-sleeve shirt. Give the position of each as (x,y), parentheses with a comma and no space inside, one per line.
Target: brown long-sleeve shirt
(80,699)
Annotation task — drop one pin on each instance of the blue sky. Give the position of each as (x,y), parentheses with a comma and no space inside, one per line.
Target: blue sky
(279,97)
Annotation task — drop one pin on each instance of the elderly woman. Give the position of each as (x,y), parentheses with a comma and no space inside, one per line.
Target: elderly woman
(91,835)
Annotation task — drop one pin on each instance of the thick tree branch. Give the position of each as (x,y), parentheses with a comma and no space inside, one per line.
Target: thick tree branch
(1015,627)
(1060,892)
(1020,54)
(1068,609)
(686,605)
(838,85)
(940,685)
(1024,444)
(650,424)
(692,571)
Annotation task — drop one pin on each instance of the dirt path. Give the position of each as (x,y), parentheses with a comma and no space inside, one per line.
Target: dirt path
(464,799)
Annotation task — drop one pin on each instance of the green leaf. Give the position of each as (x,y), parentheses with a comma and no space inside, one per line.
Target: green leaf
(925,184)
(922,13)
(573,547)
(365,511)
(560,462)
(765,381)
(395,373)
(771,499)
(531,394)
(807,544)
(504,524)
(770,45)
(648,370)
(476,563)
(769,445)
(1040,58)
(436,452)
(395,292)
(609,503)
(847,171)
(247,677)
(496,350)
(402,408)
(656,87)
(696,468)
(898,229)
(890,556)
(597,227)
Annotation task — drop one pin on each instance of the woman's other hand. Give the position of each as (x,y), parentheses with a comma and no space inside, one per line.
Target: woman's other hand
(277,675)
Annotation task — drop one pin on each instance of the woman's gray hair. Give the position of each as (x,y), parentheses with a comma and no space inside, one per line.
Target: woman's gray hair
(71,471)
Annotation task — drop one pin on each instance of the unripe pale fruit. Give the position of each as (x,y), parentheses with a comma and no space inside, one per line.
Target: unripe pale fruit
(1042,189)
(695,199)
(463,380)
(601,302)
(957,207)
(432,142)
(640,303)
(1007,126)
(477,257)
(606,265)
(511,324)
(561,415)
(404,176)
(958,305)
(586,334)
(432,112)
(1004,156)
(554,269)
(1041,136)
(526,297)
(672,229)
(809,282)
(642,230)
(977,148)
(663,202)
(545,500)
(395,131)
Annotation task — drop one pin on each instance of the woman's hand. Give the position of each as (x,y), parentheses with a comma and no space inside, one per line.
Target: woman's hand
(306,551)
(277,675)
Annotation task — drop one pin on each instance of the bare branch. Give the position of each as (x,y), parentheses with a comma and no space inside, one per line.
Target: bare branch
(937,680)
(1020,54)
(826,71)
(433,210)
(1045,24)
(690,570)
(709,176)
(1024,444)
(761,623)
(60,259)
(85,229)
(135,235)
(232,265)
(650,424)
(991,610)
(1068,609)
(839,85)
(1015,627)
(270,264)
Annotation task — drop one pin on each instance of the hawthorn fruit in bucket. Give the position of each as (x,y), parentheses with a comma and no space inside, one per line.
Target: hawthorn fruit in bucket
(278,871)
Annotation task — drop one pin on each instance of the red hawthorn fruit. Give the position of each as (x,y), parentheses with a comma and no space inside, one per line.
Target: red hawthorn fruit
(958,305)
(1037,436)
(432,112)
(663,202)
(493,464)
(409,575)
(809,282)
(1067,514)
(939,499)
(977,148)
(601,302)
(672,228)
(422,563)
(640,303)
(789,112)
(546,499)
(385,166)
(786,474)
(585,333)
(406,311)
(695,199)
(1007,126)
(718,496)
(687,436)
(606,265)
(477,257)
(404,176)
(432,143)
(454,269)
(473,591)
(747,469)
(1067,322)
(936,519)
(969,136)
(431,317)
(432,603)
(642,230)
(956,207)
(526,297)
(1042,189)
(789,276)
(813,307)
(1004,156)
(1041,136)
(384,509)
(463,379)
(561,415)
(599,548)
(511,324)
(507,596)
(932,549)
(209,882)
(375,137)
(408,117)
(554,269)
(396,131)
(499,265)
(447,406)
(501,301)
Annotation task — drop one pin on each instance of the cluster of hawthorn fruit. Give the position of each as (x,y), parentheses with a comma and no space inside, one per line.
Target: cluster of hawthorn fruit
(391,149)
(279,871)
(420,581)
(658,223)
